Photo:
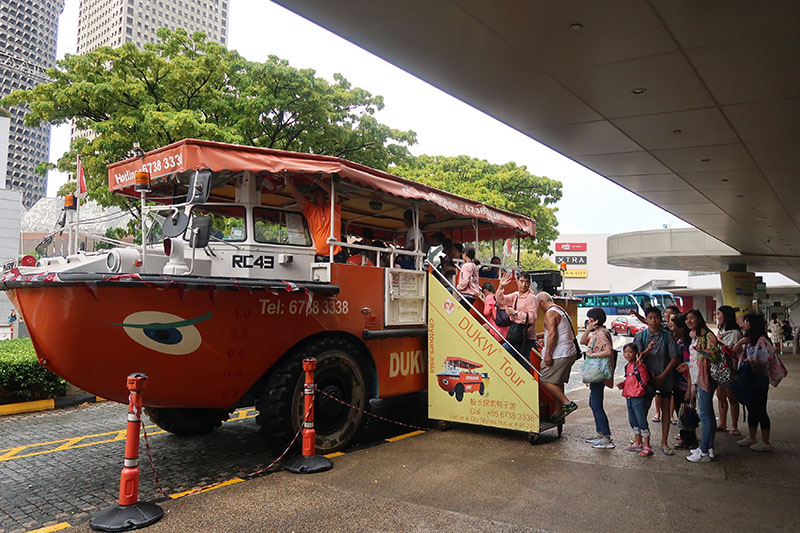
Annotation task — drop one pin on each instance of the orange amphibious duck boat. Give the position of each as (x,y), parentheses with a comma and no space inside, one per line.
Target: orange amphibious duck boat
(459,376)
(227,296)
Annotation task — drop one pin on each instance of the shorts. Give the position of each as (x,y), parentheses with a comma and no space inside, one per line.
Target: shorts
(558,373)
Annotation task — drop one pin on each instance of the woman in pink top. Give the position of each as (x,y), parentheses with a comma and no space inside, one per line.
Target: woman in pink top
(490,312)
(468,277)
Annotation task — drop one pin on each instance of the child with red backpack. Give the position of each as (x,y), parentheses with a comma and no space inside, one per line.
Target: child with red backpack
(633,388)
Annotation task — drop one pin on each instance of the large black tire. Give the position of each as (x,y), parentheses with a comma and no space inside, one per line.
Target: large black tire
(482,389)
(341,370)
(459,390)
(186,422)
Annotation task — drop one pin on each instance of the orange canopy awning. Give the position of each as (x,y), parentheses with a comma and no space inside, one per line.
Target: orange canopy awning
(178,159)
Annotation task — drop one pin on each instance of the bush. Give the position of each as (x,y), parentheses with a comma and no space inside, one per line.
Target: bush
(22,378)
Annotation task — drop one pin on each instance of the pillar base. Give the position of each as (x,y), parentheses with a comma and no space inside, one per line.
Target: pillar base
(302,464)
(127,517)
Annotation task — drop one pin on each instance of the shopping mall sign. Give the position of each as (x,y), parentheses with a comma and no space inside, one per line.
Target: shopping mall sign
(471,378)
(571,259)
(570,247)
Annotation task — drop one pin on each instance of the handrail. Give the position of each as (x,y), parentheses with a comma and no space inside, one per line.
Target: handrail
(521,357)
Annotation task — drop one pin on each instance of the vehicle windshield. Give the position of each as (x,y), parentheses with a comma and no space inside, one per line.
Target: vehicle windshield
(227,221)
(664,300)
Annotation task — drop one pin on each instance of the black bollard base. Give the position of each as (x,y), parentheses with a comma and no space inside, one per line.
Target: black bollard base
(127,517)
(301,464)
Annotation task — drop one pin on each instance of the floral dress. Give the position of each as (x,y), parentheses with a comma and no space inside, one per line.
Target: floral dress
(702,352)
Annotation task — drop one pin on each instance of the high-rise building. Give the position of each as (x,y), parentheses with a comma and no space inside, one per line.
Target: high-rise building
(28,30)
(114,22)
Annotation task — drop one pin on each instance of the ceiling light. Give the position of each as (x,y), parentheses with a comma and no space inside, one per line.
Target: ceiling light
(740,196)
(639,90)
(677,132)
(575,26)
(724,180)
(705,160)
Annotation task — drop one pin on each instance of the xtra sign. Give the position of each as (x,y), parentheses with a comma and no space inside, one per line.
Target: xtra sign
(571,259)
(570,247)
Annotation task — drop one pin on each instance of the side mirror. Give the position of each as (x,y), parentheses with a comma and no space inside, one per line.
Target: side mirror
(199,187)
(200,232)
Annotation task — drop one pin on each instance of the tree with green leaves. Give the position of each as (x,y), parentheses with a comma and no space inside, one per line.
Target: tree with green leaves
(189,87)
(508,186)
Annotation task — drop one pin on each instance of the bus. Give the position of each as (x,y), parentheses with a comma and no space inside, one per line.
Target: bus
(617,304)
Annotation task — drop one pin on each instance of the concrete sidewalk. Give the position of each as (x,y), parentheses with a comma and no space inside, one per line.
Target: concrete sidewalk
(479,479)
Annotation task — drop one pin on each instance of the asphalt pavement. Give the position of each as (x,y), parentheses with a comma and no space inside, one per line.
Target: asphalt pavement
(59,468)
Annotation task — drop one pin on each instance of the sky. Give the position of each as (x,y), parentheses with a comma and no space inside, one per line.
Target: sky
(444,125)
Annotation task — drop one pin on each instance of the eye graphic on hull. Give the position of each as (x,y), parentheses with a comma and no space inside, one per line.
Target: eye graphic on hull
(164,332)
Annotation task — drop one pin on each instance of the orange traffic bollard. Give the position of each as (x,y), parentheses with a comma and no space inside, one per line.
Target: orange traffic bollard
(130,513)
(308,462)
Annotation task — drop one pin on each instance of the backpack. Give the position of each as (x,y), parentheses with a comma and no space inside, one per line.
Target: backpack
(742,385)
(635,388)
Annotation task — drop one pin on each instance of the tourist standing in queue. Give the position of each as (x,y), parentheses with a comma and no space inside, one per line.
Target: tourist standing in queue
(317,212)
(601,345)
(703,352)
(728,334)
(468,281)
(559,353)
(660,355)
(687,437)
(522,308)
(776,332)
(756,350)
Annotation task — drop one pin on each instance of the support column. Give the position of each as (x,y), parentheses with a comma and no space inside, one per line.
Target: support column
(738,286)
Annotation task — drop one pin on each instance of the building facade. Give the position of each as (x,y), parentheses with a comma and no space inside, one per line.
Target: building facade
(115,22)
(28,31)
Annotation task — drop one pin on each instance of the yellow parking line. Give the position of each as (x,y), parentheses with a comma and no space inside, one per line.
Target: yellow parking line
(208,488)
(333,454)
(72,443)
(405,436)
(48,529)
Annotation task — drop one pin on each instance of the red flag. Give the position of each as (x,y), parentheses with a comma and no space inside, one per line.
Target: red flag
(81,180)
(507,247)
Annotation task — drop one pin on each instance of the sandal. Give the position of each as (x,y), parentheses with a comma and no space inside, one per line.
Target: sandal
(735,432)
(647,451)
(633,447)
(667,451)
(673,422)
(655,419)
(721,429)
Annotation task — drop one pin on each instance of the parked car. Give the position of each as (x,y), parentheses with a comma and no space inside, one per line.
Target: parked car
(627,325)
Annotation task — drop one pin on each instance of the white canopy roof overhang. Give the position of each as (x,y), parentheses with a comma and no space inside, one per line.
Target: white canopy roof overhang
(694,106)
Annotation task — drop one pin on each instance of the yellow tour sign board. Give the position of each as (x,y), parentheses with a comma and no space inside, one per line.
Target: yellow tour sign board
(580,273)
(471,378)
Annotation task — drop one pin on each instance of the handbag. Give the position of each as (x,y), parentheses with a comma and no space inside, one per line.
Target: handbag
(722,370)
(596,369)
(501,318)
(742,385)
(688,416)
(516,333)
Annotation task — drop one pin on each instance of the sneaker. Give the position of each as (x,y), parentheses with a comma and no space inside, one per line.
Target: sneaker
(746,442)
(697,451)
(604,444)
(761,446)
(698,458)
(593,438)
(568,408)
